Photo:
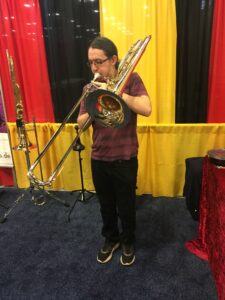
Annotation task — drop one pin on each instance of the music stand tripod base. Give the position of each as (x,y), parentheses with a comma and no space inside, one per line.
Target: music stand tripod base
(83,195)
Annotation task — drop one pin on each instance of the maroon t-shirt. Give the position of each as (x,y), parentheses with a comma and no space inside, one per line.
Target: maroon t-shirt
(111,144)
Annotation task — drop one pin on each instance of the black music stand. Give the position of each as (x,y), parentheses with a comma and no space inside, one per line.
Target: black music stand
(84,194)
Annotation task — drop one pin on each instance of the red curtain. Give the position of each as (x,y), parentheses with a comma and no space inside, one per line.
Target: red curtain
(21,34)
(216,95)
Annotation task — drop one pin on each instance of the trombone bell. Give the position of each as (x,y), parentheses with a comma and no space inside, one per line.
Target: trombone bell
(108,109)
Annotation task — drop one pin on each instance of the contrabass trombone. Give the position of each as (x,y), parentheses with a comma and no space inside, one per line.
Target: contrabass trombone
(114,115)
(24,143)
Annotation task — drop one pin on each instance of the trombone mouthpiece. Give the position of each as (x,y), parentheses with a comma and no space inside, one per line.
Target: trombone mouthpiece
(96,75)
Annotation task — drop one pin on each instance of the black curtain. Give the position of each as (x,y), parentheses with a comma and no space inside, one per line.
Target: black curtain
(68,28)
(194,23)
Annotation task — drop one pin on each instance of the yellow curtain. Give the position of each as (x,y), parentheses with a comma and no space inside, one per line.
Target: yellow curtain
(129,20)
(163,149)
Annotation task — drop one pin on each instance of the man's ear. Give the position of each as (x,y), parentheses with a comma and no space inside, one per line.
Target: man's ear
(114,59)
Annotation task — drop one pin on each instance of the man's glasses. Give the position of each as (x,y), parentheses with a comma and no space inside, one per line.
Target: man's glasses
(96,62)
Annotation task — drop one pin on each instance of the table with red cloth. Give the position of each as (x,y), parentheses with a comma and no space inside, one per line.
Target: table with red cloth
(210,242)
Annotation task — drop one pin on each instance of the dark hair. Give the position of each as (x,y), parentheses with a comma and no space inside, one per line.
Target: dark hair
(105,45)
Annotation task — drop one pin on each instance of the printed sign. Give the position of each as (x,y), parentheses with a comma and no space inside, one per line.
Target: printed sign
(5,152)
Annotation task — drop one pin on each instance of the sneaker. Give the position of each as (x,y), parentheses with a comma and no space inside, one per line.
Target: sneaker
(127,258)
(106,252)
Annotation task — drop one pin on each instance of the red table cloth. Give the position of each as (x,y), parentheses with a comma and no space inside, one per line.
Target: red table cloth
(210,242)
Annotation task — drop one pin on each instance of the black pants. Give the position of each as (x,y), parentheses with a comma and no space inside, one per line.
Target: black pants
(115,184)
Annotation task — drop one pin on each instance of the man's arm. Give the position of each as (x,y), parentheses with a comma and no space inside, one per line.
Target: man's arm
(139,104)
(81,120)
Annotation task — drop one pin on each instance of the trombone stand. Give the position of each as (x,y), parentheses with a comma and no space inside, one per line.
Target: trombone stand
(29,189)
(41,199)
(84,194)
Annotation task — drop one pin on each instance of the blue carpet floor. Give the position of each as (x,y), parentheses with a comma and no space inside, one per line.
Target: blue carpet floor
(43,256)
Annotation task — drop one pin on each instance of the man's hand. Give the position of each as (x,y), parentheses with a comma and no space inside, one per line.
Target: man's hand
(101,85)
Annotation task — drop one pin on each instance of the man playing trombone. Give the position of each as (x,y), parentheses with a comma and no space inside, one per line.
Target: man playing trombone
(114,152)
